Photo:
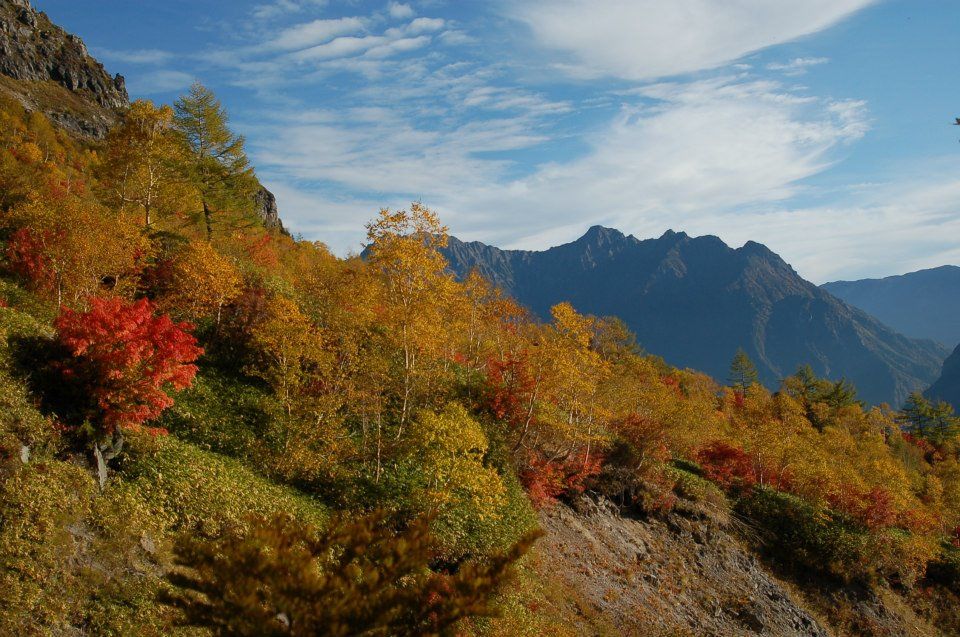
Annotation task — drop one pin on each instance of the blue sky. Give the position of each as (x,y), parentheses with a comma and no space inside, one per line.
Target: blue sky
(818,127)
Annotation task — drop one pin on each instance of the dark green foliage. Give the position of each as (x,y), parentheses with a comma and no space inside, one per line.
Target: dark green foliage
(218,166)
(945,569)
(933,421)
(804,536)
(814,393)
(223,412)
(355,577)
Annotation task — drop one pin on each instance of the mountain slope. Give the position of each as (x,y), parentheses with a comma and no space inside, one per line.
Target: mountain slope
(947,387)
(694,301)
(923,304)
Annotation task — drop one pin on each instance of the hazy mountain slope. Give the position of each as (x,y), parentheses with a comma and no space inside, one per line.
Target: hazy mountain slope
(947,387)
(924,304)
(694,301)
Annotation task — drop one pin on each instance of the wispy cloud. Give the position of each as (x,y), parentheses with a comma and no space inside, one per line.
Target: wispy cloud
(279,8)
(648,39)
(796,66)
(136,56)
(634,113)
(315,32)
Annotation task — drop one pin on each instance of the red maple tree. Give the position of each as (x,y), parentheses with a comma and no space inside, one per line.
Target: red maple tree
(125,359)
(728,466)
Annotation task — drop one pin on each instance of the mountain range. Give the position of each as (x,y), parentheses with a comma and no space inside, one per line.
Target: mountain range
(923,304)
(695,301)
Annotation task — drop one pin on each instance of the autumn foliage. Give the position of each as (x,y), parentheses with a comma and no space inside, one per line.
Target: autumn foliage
(727,465)
(547,479)
(126,359)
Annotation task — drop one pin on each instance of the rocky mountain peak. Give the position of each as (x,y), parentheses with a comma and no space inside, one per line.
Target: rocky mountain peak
(33,48)
(35,53)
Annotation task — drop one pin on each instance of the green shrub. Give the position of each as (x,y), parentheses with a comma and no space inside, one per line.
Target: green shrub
(190,489)
(805,536)
(692,486)
(222,413)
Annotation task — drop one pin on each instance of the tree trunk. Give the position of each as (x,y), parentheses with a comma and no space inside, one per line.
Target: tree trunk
(208,221)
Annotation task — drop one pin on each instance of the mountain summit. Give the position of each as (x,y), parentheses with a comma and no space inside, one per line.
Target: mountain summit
(695,300)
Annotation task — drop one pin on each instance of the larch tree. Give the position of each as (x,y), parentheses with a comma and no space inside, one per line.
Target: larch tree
(917,414)
(217,164)
(743,373)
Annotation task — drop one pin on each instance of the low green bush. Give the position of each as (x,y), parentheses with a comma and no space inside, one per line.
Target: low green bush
(191,489)
(804,536)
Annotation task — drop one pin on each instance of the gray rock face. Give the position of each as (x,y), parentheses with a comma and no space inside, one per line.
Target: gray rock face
(266,207)
(33,48)
(680,575)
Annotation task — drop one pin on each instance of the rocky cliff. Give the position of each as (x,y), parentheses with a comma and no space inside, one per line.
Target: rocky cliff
(48,69)
(265,204)
(693,572)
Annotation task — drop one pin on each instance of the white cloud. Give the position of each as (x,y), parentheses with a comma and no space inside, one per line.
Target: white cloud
(400,11)
(702,152)
(888,229)
(456,37)
(647,39)
(796,66)
(159,82)
(278,8)
(403,45)
(136,56)
(424,25)
(312,33)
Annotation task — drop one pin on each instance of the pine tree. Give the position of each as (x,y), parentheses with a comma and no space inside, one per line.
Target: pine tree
(743,373)
(917,414)
(944,422)
(218,166)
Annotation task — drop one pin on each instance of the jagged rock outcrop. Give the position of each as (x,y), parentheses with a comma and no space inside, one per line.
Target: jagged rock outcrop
(52,71)
(266,207)
(33,48)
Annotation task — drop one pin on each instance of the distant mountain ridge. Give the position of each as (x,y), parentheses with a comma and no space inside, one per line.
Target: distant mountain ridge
(923,304)
(947,387)
(695,300)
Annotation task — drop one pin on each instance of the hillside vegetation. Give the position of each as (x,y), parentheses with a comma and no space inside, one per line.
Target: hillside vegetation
(207,426)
